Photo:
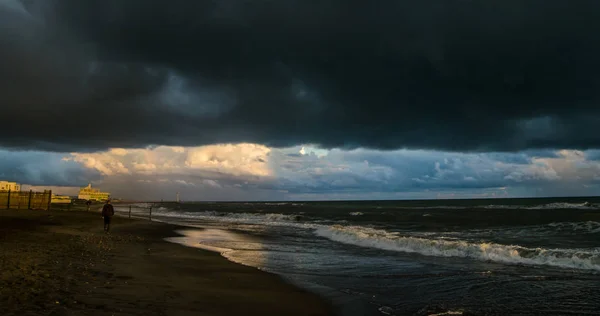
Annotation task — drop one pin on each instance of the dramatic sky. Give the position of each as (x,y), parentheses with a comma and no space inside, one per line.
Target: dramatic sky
(298,99)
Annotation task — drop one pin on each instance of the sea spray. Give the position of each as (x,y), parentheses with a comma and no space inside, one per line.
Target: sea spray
(429,244)
(585,259)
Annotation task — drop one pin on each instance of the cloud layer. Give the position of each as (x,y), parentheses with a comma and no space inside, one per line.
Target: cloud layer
(443,75)
(44,169)
(255,172)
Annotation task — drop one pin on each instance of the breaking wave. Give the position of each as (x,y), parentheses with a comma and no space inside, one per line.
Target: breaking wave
(590,227)
(530,231)
(465,244)
(588,259)
(548,206)
(274,219)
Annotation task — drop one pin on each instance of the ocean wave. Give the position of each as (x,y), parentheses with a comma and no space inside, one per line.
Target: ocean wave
(436,207)
(428,245)
(547,206)
(585,227)
(509,254)
(558,228)
(282,204)
(140,205)
(274,219)
(356,213)
(581,206)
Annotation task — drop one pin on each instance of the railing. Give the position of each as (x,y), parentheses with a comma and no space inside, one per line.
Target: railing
(25,200)
(144,210)
(137,210)
(43,201)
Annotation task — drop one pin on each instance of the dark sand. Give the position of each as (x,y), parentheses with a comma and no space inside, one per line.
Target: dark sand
(61,263)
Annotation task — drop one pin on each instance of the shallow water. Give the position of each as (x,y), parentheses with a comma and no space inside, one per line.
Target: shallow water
(470,257)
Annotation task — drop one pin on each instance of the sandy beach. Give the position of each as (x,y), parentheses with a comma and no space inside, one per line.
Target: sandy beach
(61,263)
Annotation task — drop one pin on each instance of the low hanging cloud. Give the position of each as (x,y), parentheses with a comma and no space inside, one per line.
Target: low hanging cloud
(212,161)
(44,169)
(256,172)
(85,76)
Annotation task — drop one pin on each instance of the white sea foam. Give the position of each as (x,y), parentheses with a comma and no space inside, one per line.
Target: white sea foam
(502,207)
(584,227)
(549,206)
(558,228)
(582,206)
(447,313)
(436,207)
(386,310)
(356,213)
(141,205)
(273,219)
(587,259)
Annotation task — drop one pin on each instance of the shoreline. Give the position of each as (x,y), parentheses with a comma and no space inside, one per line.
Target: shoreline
(62,262)
(344,304)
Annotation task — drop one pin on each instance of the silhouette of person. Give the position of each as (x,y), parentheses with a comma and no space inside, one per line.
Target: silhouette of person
(107,212)
(88,203)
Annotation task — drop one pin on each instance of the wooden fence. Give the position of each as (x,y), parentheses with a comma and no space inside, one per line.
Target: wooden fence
(25,200)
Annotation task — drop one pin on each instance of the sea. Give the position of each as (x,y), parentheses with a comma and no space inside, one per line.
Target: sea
(432,257)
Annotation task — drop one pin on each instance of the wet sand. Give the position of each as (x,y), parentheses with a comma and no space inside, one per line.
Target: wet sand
(61,263)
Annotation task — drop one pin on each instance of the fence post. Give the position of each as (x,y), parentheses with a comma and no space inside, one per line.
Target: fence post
(129,211)
(8,200)
(151,212)
(29,202)
(49,199)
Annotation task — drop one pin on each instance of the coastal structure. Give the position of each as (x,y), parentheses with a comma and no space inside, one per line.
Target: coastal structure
(61,199)
(9,186)
(88,193)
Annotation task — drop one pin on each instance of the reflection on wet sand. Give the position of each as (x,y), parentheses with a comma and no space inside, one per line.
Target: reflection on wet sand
(225,242)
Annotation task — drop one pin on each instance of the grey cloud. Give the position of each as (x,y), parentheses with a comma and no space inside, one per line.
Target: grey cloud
(491,75)
(359,173)
(592,155)
(189,188)
(402,172)
(39,168)
(363,171)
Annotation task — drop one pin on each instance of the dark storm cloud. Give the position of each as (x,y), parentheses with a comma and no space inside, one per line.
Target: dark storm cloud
(450,75)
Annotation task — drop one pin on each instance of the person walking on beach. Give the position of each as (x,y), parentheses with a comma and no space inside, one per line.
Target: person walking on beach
(107,212)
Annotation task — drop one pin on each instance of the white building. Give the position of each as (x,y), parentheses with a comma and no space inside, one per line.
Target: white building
(12,186)
(88,193)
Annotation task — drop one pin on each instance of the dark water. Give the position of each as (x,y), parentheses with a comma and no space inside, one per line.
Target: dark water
(458,257)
